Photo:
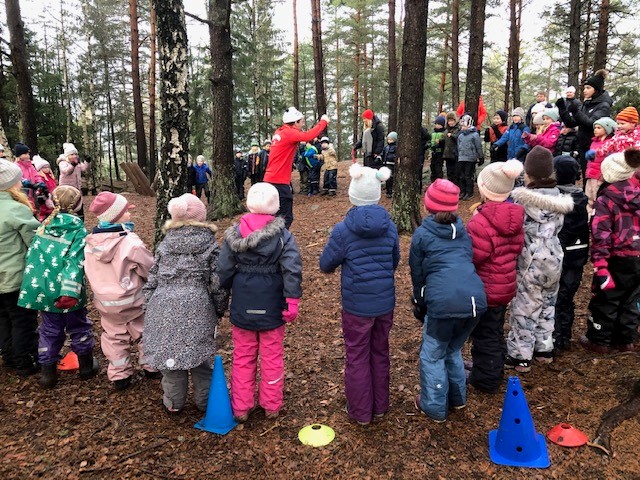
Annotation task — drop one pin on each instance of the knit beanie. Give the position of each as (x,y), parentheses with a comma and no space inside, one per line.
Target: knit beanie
(292,115)
(187,207)
(440,120)
(552,113)
(609,124)
(393,136)
(503,115)
(466,121)
(39,163)
(539,108)
(67,198)
(567,169)
(364,188)
(620,166)
(452,116)
(367,114)
(497,179)
(518,111)
(570,89)
(537,119)
(628,114)
(20,149)
(109,206)
(441,196)
(539,163)
(326,139)
(10,174)
(69,149)
(263,198)
(597,80)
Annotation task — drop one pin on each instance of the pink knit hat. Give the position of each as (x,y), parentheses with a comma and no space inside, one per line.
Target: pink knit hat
(109,206)
(187,207)
(441,196)
(263,198)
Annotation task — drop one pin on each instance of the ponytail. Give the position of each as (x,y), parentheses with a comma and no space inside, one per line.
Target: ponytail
(19,196)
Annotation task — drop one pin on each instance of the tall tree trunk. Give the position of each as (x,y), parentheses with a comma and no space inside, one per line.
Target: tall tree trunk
(474,65)
(107,84)
(89,103)
(318,59)
(255,73)
(600,53)
(65,72)
(153,156)
(4,114)
(296,58)
(393,68)
(174,97)
(515,61)
(406,197)
(445,62)
(573,69)
(338,135)
(19,59)
(513,40)
(587,39)
(455,63)
(225,202)
(5,143)
(356,80)
(141,137)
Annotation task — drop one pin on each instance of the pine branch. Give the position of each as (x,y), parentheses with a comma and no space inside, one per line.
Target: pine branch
(195,17)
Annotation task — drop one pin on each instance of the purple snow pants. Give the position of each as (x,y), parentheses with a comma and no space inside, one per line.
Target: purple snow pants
(52,334)
(366,373)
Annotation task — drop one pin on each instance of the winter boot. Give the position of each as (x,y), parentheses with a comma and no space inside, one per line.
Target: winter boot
(122,384)
(88,366)
(49,375)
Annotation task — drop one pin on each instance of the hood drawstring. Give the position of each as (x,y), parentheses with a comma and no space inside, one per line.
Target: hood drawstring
(453,226)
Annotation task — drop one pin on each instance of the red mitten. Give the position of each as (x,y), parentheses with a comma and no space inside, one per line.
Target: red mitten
(602,276)
(64,302)
(291,313)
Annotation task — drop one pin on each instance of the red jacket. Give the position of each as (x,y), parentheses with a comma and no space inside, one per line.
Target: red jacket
(497,237)
(283,148)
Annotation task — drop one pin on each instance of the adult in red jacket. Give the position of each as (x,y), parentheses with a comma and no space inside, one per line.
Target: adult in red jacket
(497,236)
(283,148)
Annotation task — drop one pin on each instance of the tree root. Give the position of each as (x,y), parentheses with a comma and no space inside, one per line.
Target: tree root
(614,417)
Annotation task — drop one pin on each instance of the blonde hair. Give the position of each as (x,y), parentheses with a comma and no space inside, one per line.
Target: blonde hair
(19,196)
(66,199)
(367,123)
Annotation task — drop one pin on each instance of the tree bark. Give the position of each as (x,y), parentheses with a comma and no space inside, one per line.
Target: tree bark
(600,53)
(474,65)
(65,73)
(406,197)
(225,202)
(515,60)
(573,69)
(19,60)
(296,58)
(318,59)
(455,63)
(107,84)
(587,39)
(174,97)
(153,156)
(356,80)
(338,100)
(445,61)
(393,68)
(141,137)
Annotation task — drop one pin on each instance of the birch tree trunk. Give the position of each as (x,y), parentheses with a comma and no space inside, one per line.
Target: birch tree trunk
(174,98)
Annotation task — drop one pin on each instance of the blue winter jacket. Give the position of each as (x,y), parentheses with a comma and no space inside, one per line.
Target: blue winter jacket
(442,272)
(201,173)
(469,145)
(366,245)
(513,136)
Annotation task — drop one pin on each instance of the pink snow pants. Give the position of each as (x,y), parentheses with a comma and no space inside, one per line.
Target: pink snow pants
(247,345)
(116,341)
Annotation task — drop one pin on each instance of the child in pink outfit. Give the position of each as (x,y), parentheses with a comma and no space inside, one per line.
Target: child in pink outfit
(117,265)
(44,171)
(261,264)
(549,131)
(603,130)
(29,174)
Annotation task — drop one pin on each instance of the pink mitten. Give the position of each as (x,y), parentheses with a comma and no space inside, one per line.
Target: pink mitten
(291,313)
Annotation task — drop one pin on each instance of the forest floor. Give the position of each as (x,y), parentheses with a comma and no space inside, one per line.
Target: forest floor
(86,430)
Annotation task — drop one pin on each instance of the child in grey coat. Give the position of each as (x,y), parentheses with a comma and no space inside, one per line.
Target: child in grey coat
(469,152)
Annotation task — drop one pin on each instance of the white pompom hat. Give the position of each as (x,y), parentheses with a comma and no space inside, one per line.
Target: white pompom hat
(187,207)
(263,198)
(497,179)
(364,188)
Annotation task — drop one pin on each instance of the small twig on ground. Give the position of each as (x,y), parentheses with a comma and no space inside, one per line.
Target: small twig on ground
(142,450)
(331,389)
(313,244)
(277,424)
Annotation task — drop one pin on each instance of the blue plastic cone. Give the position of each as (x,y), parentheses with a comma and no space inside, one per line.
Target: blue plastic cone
(219,417)
(516,443)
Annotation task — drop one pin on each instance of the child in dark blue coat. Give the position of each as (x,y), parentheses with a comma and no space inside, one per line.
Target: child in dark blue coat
(366,245)
(449,297)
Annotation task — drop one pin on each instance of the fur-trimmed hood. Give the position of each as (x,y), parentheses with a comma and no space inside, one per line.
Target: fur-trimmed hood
(172,224)
(543,204)
(187,237)
(254,240)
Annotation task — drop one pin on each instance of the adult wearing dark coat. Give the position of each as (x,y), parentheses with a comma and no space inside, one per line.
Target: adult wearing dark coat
(597,104)
(372,140)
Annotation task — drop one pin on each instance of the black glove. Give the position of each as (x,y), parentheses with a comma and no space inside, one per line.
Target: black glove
(573,107)
(87,158)
(481,161)
(493,148)
(521,154)
(560,104)
(419,309)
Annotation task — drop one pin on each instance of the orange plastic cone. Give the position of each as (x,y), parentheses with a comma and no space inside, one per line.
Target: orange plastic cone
(566,435)
(69,362)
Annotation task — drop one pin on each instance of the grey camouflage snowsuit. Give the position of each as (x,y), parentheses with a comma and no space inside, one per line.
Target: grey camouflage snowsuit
(539,268)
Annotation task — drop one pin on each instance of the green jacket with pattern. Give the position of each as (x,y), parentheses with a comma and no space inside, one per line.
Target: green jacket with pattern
(55,265)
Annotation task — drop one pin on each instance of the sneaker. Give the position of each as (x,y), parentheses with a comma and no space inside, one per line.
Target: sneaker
(152,375)
(416,404)
(521,366)
(594,347)
(459,407)
(346,409)
(543,357)
(122,384)
(378,416)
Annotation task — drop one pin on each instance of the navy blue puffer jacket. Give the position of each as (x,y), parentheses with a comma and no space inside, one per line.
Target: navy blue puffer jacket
(442,271)
(366,245)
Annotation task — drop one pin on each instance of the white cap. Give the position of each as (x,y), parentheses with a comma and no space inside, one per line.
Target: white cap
(292,115)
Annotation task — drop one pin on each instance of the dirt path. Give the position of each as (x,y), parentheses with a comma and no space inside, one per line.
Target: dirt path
(88,431)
